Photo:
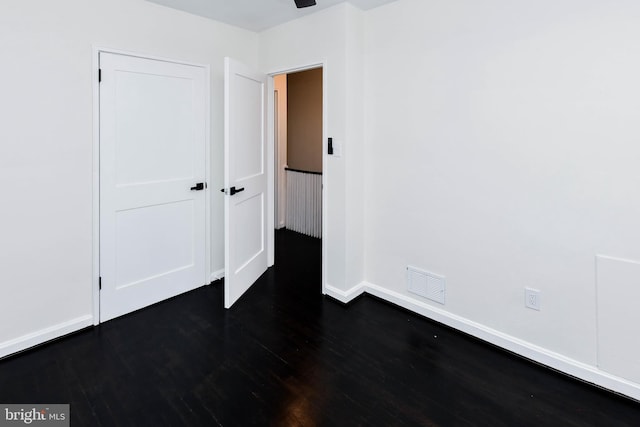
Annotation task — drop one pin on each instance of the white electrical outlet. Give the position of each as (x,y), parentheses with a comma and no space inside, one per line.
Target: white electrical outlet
(532,298)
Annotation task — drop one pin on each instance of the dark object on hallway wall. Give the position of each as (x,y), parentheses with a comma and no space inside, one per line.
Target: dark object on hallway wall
(305,3)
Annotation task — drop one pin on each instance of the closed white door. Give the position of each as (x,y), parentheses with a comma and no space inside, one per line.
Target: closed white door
(152,181)
(245,151)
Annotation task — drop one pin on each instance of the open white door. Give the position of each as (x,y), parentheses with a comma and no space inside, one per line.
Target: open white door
(245,180)
(153,134)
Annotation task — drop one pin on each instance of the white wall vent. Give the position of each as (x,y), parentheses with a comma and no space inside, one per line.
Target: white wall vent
(425,284)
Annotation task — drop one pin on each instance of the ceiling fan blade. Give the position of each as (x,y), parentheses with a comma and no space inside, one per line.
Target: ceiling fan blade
(305,3)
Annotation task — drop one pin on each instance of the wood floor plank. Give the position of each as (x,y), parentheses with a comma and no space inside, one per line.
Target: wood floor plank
(286,356)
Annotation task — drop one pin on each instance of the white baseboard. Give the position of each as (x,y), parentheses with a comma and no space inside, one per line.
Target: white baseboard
(572,367)
(344,296)
(216,275)
(30,340)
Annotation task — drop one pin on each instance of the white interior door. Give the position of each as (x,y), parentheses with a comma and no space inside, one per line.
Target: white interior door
(152,157)
(245,151)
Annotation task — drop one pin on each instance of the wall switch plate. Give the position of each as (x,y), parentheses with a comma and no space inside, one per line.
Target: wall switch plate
(336,147)
(532,298)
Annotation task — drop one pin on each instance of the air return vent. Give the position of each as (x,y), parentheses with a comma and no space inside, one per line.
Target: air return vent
(425,284)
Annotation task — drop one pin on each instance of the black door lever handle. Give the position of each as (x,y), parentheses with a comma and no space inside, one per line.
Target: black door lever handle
(199,186)
(233,190)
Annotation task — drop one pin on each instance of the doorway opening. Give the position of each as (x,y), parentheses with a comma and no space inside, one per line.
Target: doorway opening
(298,146)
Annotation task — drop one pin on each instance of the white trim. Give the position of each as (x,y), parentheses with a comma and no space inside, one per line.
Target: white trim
(95,246)
(325,173)
(613,258)
(207,172)
(345,296)
(271,173)
(216,275)
(322,63)
(96,166)
(32,339)
(567,365)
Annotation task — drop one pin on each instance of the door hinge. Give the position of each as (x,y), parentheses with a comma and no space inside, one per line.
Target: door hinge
(100,283)
(99,75)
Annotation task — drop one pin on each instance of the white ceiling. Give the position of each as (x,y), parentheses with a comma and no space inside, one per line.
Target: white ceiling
(257,15)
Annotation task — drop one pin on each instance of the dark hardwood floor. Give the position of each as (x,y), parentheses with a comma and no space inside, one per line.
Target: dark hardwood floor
(286,356)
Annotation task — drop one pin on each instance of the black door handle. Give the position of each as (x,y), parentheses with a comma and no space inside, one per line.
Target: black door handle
(199,186)
(233,190)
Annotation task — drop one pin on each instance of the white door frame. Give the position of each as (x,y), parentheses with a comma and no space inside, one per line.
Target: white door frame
(96,165)
(271,160)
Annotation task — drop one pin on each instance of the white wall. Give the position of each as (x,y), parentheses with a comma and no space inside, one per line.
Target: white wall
(356,150)
(502,152)
(46,83)
(307,41)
